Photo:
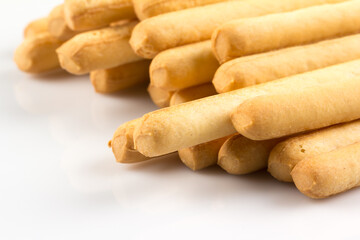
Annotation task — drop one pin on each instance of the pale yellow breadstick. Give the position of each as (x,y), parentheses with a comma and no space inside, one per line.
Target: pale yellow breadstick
(37,54)
(265,67)
(159,96)
(184,66)
(192,93)
(287,154)
(57,25)
(240,155)
(98,49)
(121,77)
(330,173)
(255,35)
(173,29)
(36,27)
(185,125)
(81,15)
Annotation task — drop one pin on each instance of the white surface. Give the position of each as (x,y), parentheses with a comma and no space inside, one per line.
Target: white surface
(58,179)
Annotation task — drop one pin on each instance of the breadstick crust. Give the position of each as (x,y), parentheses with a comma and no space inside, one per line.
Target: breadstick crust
(330,173)
(83,15)
(189,124)
(240,155)
(98,49)
(183,67)
(256,35)
(37,54)
(192,93)
(159,96)
(287,154)
(265,67)
(121,77)
(36,27)
(57,25)
(173,29)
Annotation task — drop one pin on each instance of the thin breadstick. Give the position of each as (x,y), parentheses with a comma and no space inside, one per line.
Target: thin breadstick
(329,173)
(36,27)
(159,96)
(256,35)
(57,25)
(240,155)
(81,15)
(121,77)
(265,67)
(185,125)
(184,66)
(98,49)
(193,93)
(162,32)
(287,154)
(37,54)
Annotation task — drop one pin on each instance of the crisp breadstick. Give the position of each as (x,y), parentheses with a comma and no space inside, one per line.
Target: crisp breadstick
(81,15)
(287,154)
(37,54)
(329,173)
(121,77)
(256,35)
(36,27)
(184,66)
(185,125)
(57,25)
(173,29)
(98,49)
(193,93)
(240,155)
(265,67)
(159,96)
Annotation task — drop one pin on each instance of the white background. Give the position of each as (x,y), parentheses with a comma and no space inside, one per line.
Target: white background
(58,179)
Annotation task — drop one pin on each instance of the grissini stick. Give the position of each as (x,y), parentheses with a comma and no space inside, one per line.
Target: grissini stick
(285,155)
(184,66)
(159,96)
(98,49)
(256,35)
(162,32)
(240,155)
(185,125)
(36,27)
(57,25)
(192,93)
(83,15)
(259,68)
(121,77)
(37,54)
(329,173)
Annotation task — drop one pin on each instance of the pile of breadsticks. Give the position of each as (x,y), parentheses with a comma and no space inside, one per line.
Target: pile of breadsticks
(246,84)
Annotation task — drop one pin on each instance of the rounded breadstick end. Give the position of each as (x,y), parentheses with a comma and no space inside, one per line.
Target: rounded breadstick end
(67,63)
(188,157)
(279,165)
(242,119)
(140,43)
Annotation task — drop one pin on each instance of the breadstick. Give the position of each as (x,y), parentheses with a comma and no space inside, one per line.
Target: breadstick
(265,67)
(329,173)
(81,15)
(240,155)
(159,96)
(121,77)
(192,25)
(37,54)
(184,66)
(150,8)
(36,27)
(57,25)
(193,93)
(287,154)
(185,125)
(255,35)
(201,156)
(98,49)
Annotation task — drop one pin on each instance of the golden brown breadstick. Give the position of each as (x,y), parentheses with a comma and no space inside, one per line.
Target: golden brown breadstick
(193,93)
(329,173)
(255,35)
(81,15)
(287,154)
(185,125)
(36,27)
(57,25)
(184,66)
(159,96)
(240,155)
(98,49)
(264,67)
(121,77)
(37,54)
(192,25)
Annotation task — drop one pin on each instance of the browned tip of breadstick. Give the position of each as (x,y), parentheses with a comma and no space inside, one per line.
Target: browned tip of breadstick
(160,96)
(36,27)
(230,84)
(140,42)
(220,38)
(57,25)
(280,169)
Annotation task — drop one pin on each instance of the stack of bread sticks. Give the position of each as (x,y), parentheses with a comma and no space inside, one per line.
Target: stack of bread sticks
(244,84)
